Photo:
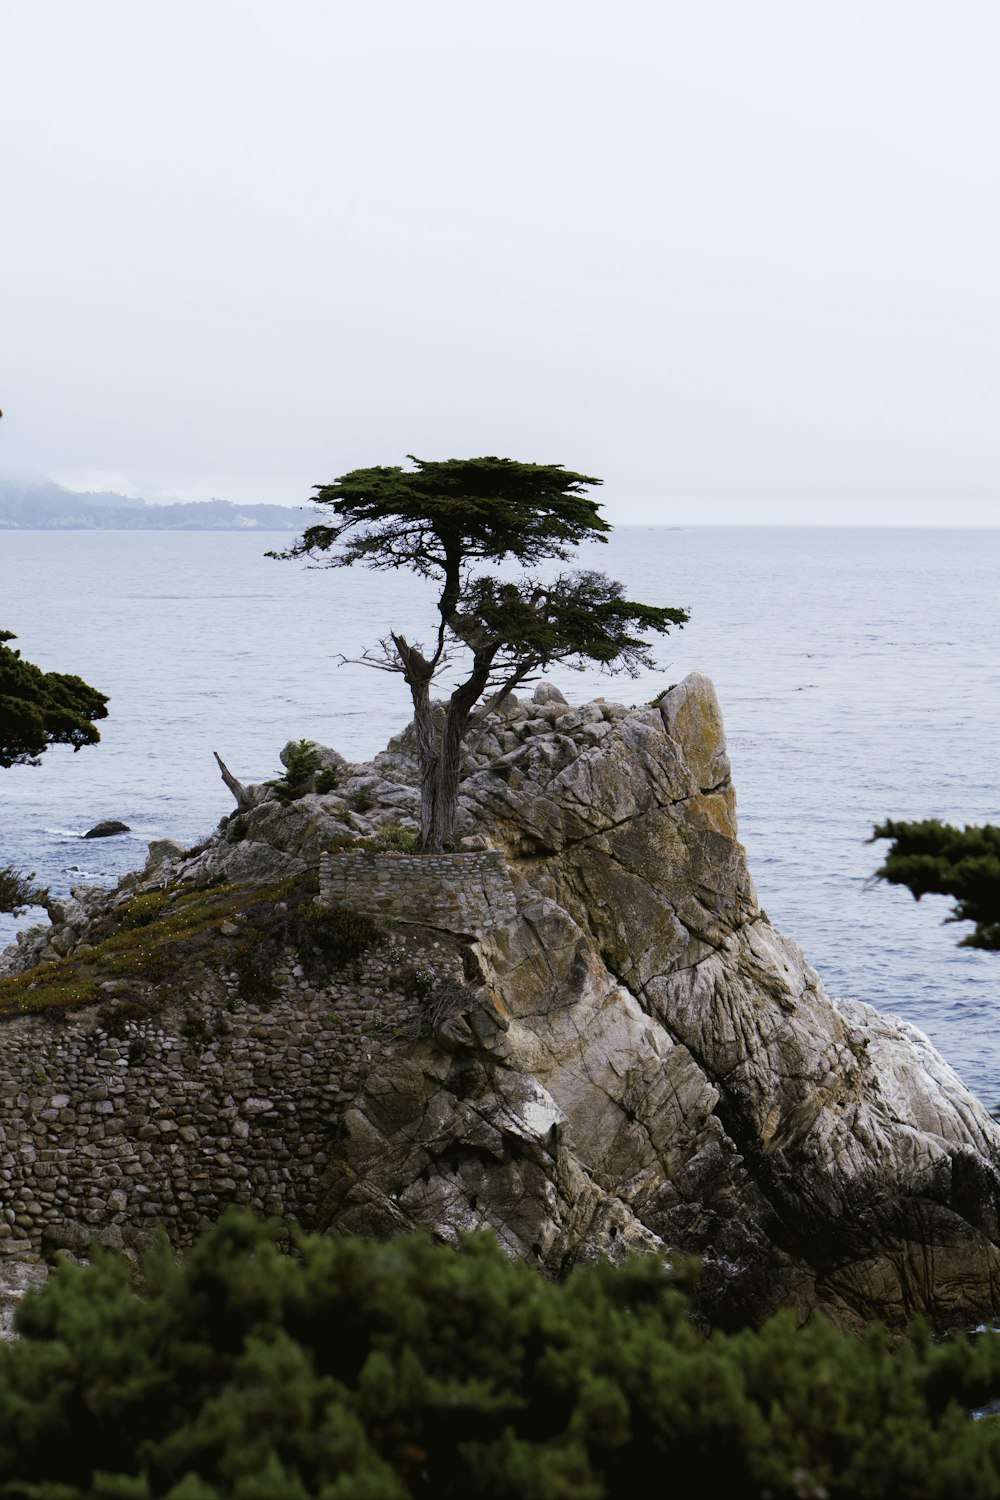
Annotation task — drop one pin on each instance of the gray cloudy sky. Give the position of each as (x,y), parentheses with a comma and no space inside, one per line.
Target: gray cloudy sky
(739,257)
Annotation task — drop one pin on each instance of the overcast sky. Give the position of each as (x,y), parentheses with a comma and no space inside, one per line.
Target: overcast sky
(738,257)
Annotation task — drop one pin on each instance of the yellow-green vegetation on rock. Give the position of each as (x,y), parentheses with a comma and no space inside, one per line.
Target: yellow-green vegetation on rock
(155,943)
(322,938)
(141,942)
(392,838)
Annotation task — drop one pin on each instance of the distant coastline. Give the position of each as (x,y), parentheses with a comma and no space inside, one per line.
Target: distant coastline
(46,506)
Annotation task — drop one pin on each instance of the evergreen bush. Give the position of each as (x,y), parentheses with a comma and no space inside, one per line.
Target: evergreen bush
(359,1371)
(300,771)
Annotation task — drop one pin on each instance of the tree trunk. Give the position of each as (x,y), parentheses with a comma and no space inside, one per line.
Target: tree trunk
(439,789)
(439,751)
(244,799)
(441,774)
(418,673)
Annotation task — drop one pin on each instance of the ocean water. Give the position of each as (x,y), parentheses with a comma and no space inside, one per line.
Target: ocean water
(858,672)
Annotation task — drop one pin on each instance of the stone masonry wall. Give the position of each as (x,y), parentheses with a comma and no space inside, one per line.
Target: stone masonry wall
(204,1104)
(463,893)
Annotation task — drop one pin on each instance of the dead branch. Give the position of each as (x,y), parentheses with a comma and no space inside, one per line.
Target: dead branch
(244,795)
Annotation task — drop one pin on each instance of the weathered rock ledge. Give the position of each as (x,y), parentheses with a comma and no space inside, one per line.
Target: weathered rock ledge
(636,1060)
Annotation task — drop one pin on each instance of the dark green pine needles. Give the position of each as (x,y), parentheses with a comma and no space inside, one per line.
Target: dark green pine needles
(453,510)
(357,1371)
(933,858)
(39,709)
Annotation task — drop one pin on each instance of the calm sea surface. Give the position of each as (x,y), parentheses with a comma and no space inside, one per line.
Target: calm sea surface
(858,672)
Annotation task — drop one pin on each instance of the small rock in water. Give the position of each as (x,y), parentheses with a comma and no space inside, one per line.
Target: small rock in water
(106,829)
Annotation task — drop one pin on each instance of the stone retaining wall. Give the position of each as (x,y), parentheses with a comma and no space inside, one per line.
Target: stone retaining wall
(206,1103)
(463,893)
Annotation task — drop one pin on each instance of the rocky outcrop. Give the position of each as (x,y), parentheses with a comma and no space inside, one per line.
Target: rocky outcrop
(636,1059)
(673,1072)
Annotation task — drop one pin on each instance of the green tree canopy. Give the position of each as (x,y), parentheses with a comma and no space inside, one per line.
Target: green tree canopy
(441,515)
(39,709)
(411,1371)
(934,858)
(444,519)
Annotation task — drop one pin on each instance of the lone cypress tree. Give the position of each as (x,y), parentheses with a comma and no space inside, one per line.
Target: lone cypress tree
(442,520)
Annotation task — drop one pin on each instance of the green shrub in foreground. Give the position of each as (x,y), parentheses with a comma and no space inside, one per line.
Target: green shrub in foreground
(360,1371)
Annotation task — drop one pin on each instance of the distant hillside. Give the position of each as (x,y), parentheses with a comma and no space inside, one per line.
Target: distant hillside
(49,507)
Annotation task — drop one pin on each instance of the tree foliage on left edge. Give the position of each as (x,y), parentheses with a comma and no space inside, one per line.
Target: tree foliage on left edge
(409,1371)
(17,891)
(39,709)
(934,858)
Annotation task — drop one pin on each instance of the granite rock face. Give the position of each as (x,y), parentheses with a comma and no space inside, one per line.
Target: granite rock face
(644,1061)
(635,1060)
